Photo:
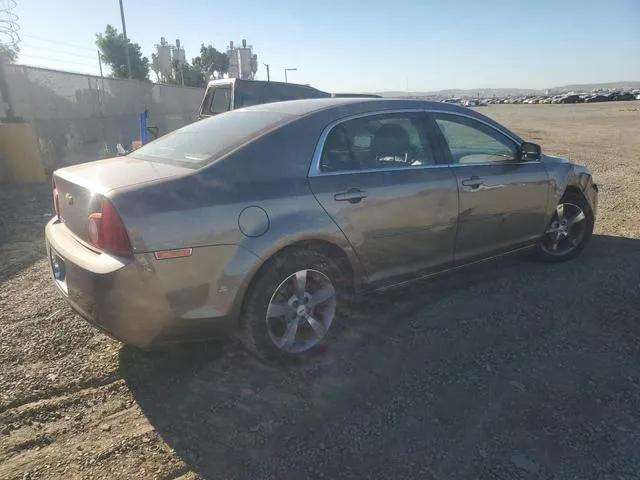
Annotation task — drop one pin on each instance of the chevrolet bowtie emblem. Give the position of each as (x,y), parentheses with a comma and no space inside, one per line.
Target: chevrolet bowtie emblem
(69,198)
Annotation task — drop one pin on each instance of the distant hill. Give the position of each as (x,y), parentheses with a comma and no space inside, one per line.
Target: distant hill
(504,92)
(593,86)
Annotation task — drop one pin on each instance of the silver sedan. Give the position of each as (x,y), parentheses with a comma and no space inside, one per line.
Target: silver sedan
(264,219)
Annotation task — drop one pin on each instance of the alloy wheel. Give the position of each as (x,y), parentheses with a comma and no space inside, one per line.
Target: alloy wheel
(566,230)
(301,311)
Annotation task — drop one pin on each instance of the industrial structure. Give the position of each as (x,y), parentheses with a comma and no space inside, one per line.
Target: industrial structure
(168,55)
(243,64)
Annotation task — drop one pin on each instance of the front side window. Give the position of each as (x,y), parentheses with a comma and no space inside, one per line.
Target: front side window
(221,100)
(377,142)
(470,141)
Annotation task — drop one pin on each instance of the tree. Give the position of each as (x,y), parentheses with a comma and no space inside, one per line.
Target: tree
(211,62)
(8,53)
(192,76)
(155,65)
(112,46)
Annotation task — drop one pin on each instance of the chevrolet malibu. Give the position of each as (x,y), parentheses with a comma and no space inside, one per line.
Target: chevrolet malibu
(263,220)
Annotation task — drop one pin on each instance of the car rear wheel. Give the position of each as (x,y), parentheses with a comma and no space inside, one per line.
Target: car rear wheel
(568,231)
(291,306)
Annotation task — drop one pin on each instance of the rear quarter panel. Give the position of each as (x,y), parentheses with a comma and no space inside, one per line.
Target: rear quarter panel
(203,209)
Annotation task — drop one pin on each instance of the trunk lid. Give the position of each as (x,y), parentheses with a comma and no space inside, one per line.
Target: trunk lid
(80,187)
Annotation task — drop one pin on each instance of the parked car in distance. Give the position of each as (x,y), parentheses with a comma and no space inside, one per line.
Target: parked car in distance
(571,99)
(454,101)
(263,220)
(624,96)
(595,99)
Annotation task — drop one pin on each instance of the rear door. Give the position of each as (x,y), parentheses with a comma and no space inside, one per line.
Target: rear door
(503,200)
(377,177)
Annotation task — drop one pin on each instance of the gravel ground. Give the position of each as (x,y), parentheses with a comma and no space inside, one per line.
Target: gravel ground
(512,370)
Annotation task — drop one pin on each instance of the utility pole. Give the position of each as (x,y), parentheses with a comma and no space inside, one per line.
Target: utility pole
(268,76)
(288,70)
(100,63)
(100,92)
(126,41)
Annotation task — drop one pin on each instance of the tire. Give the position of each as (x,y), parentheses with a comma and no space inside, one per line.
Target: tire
(260,334)
(543,250)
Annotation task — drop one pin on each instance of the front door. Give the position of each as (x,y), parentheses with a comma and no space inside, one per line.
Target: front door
(503,200)
(378,180)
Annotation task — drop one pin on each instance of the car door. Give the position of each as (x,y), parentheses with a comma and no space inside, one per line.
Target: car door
(502,199)
(377,177)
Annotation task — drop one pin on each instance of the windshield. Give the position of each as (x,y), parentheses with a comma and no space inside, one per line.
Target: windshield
(206,140)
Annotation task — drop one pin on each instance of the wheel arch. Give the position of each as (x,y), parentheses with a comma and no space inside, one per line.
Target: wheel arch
(576,190)
(325,247)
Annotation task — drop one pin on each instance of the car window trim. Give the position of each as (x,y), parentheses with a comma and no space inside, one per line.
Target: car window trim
(447,150)
(314,169)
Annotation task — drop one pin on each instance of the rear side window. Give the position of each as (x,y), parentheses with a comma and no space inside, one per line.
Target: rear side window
(249,94)
(377,142)
(256,93)
(204,141)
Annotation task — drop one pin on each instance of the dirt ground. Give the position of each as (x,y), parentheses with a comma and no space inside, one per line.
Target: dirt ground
(512,370)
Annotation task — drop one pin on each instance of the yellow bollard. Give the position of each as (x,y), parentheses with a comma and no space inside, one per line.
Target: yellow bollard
(20,153)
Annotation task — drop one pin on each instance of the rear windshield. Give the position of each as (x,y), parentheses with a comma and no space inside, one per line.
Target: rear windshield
(202,142)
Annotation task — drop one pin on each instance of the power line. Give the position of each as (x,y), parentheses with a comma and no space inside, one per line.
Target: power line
(54,50)
(58,42)
(57,60)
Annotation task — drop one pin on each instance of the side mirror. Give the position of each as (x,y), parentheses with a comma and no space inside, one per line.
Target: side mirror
(530,151)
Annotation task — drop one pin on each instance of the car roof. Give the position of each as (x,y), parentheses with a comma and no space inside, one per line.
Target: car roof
(341,107)
(304,107)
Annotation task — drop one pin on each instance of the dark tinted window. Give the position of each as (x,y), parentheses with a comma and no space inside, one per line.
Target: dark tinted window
(471,141)
(249,93)
(206,140)
(378,141)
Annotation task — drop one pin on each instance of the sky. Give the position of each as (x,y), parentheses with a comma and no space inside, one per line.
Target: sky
(363,46)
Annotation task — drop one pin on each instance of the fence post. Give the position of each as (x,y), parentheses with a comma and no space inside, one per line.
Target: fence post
(144,134)
(4,90)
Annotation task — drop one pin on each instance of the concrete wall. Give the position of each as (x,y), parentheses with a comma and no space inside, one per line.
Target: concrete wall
(78,118)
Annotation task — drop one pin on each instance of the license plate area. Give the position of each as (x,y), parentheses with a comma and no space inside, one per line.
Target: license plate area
(59,269)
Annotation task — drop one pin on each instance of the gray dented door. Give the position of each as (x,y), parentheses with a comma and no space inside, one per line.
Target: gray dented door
(502,200)
(376,177)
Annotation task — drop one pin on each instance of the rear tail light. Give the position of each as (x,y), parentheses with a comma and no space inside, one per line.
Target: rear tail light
(106,231)
(56,199)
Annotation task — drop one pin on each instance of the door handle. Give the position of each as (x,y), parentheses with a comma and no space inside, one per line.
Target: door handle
(472,182)
(353,195)
(475,184)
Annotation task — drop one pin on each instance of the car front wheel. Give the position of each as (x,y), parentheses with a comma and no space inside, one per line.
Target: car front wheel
(568,231)
(291,305)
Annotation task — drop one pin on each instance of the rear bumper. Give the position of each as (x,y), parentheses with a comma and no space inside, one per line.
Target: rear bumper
(145,302)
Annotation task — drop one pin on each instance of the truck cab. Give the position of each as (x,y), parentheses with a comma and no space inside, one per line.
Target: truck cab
(232,93)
